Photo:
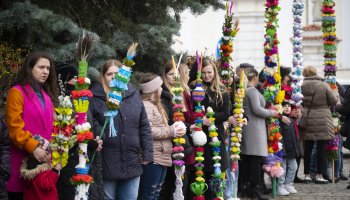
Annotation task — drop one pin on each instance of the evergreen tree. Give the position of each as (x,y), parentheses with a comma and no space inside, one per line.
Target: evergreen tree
(27,26)
(151,23)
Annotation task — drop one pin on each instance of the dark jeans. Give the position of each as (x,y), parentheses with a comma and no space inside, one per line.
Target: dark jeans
(321,155)
(151,181)
(250,168)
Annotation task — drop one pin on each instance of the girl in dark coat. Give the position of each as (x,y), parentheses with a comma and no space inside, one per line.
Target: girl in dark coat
(291,152)
(123,155)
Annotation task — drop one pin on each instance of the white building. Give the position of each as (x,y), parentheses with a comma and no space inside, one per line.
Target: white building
(200,32)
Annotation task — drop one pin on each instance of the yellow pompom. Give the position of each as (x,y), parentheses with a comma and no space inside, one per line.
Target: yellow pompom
(277,77)
(200,179)
(234,139)
(182,141)
(280,97)
(213,134)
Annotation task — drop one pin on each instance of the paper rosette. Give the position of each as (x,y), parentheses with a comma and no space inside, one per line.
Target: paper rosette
(273,94)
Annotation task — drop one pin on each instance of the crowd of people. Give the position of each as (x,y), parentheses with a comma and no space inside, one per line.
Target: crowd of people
(137,164)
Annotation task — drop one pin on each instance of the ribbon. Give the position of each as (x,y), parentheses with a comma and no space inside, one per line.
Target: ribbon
(110,116)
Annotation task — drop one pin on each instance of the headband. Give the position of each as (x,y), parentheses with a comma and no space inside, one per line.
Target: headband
(152,85)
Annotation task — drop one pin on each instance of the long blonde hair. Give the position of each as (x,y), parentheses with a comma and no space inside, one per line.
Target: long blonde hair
(166,69)
(153,97)
(216,85)
(184,76)
(104,69)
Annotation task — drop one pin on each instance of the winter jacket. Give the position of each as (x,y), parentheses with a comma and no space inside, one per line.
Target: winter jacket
(40,182)
(25,116)
(5,163)
(222,113)
(254,137)
(122,155)
(319,123)
(162,134)
(290,141)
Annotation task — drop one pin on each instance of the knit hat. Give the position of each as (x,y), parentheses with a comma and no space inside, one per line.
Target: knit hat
(67,71)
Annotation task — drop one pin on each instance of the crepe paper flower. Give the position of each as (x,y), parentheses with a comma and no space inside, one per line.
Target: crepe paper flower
(80,96)
(62,138)
(118,85)
(273,94)
(330,69)
(329,42)
(81,179)
(229,31)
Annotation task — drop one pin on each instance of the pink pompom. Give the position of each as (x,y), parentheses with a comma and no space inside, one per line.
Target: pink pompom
(276,171)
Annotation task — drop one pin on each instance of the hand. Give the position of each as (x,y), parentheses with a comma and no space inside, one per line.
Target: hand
(40,155)
(193,127)
(58,167)
(99,142)
(275,113)
(179,131)
(206,121)
(146,162)
(285,120)
(232,120)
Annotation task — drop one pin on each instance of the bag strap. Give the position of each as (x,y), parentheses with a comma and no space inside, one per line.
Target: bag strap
(312,102)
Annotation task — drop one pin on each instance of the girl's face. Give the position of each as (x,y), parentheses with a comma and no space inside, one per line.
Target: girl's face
(170,76)
(41,70)
(109,75)
(286,109)
(208,73)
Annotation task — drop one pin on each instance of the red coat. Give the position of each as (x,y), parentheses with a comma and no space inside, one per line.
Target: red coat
(39,183)
(42,187)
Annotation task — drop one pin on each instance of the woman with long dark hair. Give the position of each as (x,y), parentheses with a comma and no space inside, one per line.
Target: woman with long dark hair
(29,112)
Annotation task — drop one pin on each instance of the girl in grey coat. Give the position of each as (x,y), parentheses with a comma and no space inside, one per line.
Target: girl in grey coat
(254,140)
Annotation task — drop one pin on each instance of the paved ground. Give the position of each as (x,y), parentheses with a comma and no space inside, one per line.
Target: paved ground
(314,191)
